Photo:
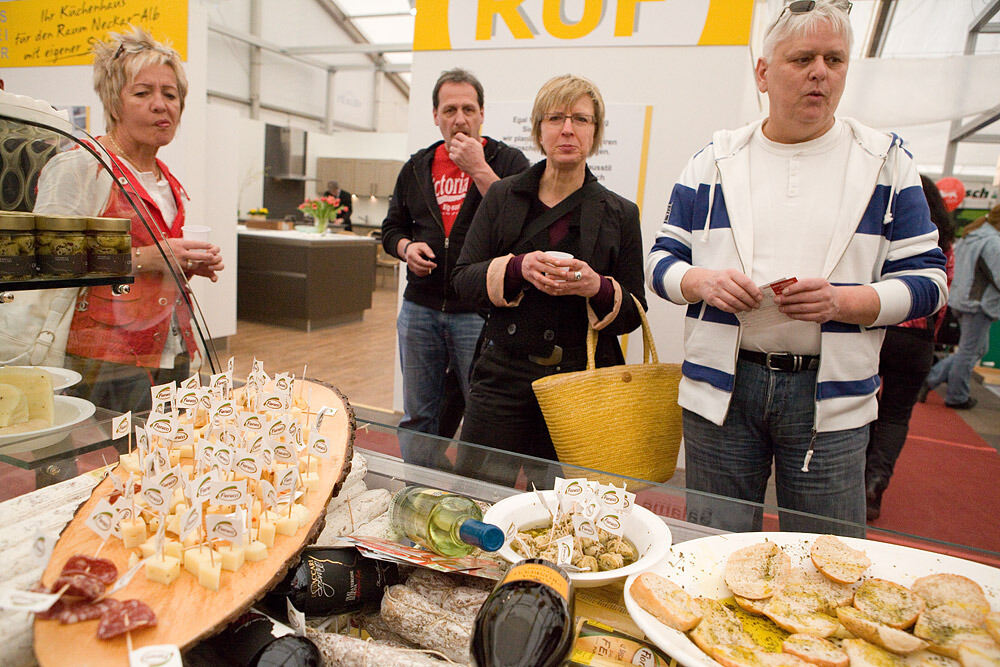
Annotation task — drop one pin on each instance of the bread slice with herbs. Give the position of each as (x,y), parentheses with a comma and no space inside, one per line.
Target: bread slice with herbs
(757,571)
(964,596)
(866,654)
(889,603)
(815,650)
(665,600)
(837,561)
(891,639)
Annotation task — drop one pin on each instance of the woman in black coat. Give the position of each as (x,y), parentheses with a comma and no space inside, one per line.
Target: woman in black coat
(539,303)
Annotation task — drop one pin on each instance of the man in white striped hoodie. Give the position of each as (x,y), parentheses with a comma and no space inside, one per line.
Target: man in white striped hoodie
(790,380)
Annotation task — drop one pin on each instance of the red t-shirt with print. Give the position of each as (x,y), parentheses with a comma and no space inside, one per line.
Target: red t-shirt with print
(450,185)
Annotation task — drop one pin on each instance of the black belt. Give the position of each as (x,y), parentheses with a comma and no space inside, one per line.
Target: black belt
(782,361)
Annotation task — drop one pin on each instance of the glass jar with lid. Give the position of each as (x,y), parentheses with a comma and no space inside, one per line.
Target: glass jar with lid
(109,246)
(61,245)
(17,245)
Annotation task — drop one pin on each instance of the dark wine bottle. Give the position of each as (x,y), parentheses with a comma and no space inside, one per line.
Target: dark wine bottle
(255,639)
(534,604)
(332,580)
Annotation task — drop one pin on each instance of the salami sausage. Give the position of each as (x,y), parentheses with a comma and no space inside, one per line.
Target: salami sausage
(131,615)
(53,611)
(86,611)
(84,586)
(101,568)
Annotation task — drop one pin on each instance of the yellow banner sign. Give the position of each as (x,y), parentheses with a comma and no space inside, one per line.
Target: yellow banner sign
(498,24)
(52,32)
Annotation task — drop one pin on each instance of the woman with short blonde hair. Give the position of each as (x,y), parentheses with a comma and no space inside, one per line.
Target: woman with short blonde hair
(549,251)
(124,344)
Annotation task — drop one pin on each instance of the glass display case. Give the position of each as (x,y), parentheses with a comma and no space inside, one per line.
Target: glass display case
(90,290)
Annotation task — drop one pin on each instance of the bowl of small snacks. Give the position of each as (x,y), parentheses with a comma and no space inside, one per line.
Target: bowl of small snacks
(595,532)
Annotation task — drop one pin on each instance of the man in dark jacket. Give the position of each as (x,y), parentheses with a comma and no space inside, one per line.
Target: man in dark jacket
(436,196)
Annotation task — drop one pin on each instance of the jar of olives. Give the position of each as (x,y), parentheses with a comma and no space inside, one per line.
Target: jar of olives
(17,245)
(61,245)
(109,246)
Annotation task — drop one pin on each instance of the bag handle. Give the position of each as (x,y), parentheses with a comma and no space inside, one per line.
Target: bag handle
(549,217)
(648,346)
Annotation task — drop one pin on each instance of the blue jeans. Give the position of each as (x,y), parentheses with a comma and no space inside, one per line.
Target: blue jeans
(771,418)
(430,340)
(956,369)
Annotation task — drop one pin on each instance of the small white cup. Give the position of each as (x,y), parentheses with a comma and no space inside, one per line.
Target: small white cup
(196,232)
(558,254)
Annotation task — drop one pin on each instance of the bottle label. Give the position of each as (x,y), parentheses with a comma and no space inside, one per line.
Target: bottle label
(540,573)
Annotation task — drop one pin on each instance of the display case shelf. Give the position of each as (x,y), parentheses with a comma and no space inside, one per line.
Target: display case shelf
(55,283)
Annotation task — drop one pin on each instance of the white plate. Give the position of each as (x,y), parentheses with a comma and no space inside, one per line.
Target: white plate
(697,566)
(644,529)
(62,378)
(69,411)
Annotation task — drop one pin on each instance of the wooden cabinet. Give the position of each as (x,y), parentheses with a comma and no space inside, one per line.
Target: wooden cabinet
(361,177)
(304,281)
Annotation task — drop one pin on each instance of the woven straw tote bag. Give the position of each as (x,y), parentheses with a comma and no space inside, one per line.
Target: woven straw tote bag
(620,419)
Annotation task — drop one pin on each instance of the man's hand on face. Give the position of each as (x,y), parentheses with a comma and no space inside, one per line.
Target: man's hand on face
(466,152)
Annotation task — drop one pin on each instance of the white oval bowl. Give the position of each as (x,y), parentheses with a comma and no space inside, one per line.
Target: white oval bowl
(645,530)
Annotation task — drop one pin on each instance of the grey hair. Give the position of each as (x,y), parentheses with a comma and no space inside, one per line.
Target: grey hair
(791,25)
(118,61)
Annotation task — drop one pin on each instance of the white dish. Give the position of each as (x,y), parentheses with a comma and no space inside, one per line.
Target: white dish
(69,411)
(697,566)
(644,529)
(62,378)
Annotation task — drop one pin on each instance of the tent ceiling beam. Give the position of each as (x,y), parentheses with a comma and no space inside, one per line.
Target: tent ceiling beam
(884,11)
(967,132)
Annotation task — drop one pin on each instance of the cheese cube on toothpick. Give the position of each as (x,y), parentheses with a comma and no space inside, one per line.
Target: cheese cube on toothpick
(163,569)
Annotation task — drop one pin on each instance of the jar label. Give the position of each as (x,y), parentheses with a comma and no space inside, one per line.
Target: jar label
(19,266)
(542,574)
(62,265)
(118,264)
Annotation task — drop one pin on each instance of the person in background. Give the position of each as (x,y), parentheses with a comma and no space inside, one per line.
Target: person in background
(906,358)
(436,195)
(344,217)
(540,305)
(124,344)
(975,298)
(838,207)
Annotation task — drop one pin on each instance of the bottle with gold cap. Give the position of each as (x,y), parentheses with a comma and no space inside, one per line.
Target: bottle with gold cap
(17,245)
(61,245)
(109,246)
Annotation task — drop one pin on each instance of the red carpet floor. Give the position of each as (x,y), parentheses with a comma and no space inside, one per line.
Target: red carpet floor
(945,485)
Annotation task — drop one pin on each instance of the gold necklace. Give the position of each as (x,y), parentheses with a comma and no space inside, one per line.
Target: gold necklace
(121,151)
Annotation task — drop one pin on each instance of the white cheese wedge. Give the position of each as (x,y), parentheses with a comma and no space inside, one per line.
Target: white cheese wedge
(133,532)
(232,557)
(13,406)
(266,530)
(195,557)
(310,480)
(209,575)
(163,569)
(256,551)
(37,387)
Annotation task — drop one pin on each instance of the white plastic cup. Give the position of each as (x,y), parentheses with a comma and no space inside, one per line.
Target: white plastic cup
(558,254)
(196,232)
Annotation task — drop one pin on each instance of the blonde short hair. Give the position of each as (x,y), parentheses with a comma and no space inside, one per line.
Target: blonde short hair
(562,92)
(118,61)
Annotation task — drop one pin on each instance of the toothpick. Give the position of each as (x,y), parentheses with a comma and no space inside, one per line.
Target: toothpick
(304,367)
(98,552)
(128,636)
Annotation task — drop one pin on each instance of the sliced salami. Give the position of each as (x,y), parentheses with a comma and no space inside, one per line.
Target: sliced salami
(101,568)
(132,615)
(86,611)
(53,611)
(78,585)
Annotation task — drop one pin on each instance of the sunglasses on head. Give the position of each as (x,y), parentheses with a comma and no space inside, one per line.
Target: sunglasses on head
(806,6)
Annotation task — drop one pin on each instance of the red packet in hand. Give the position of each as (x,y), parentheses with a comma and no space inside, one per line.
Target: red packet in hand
(767,314)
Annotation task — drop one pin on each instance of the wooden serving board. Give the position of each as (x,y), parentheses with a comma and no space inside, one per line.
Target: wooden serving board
(185,611)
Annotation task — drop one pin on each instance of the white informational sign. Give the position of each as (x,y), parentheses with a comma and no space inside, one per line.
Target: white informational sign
(618,164)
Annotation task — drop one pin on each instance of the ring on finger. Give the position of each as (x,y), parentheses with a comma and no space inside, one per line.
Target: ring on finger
(577,276)
(190,264)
